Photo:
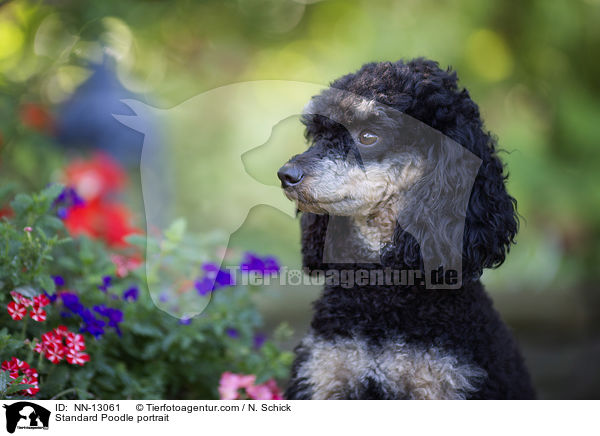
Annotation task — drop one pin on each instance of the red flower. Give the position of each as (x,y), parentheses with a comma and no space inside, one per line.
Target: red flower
(17,368)
(16,311)
(75,357)
(39,347)
(7,212)
(37,314)
(51,338)
(95,178)
(75,341)
(36,117)
(100,220)
(41,300)
(21,299)
(61,331)
(55,352)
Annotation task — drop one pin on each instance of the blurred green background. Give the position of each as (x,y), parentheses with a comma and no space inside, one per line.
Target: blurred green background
(533,67)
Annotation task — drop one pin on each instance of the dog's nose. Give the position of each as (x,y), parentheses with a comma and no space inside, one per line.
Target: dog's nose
(290,175)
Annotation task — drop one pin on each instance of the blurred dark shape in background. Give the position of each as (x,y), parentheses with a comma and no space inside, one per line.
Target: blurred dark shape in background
(86,119)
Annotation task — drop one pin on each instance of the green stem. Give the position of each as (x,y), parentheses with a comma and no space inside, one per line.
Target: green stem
(24,330)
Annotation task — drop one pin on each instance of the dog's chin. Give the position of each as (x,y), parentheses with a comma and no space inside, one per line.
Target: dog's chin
(345,206)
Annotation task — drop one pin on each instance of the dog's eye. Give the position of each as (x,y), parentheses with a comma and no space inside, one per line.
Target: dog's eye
(367,138)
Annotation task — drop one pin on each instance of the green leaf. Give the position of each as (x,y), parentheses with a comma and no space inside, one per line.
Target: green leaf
(176,230)
(16,387)
(51,192)
(21,203)
(46,283)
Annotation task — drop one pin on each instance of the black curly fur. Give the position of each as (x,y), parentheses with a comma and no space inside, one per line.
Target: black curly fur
(462,320)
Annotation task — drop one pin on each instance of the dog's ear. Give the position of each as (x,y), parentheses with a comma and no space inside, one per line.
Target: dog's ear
(459,214)
(314,230)
(492,220)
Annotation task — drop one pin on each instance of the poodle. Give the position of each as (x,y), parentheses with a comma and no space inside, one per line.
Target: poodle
(400,176)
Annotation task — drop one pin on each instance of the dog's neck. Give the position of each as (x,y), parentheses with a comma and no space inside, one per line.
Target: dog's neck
(360,238)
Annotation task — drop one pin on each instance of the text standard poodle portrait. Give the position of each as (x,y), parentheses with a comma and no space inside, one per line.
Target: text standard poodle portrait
(376,192)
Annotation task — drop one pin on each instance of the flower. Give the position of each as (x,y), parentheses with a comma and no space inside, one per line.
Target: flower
(232,333)
(17,368)
(131,294)
(75,341)
(259,340)
(55,352)
(103,220)
(214,278)
(71,301)
(16,311)
(115,316)
(28,229)
(230,385)
(18,298)
(106,283)
(125,264)
(266,391)
(36,117)
(185,321)
(233,386)
(253,263)
(58,281)
(96,177)
(41,300)
(37,313)
(75,357)
(61,331)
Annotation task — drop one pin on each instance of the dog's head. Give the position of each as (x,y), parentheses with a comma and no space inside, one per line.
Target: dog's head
(374,159)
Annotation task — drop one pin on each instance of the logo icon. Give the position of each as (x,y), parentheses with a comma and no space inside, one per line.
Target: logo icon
(26,415)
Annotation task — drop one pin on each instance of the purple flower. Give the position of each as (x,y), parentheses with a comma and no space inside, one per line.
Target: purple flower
(232,333)
(58,280)
(115,316)
(214,278)
(106,283)
(185,321)
(52,297)
(71,302)
(163,297)
(131,294)
(221,277)
(253,263)
(259,340)
(66,199)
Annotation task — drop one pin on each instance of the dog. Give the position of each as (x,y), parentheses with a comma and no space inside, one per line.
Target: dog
(378,191)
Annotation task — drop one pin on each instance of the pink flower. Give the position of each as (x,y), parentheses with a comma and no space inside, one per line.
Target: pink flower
(125,264)
(16,311)
(266,391)
(38,314)
(231,386)
(75,357)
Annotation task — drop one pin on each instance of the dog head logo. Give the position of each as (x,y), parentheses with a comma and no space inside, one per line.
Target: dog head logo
(215,130)
(26,415)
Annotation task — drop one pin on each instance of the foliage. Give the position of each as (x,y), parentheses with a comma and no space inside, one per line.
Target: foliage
(150,354)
